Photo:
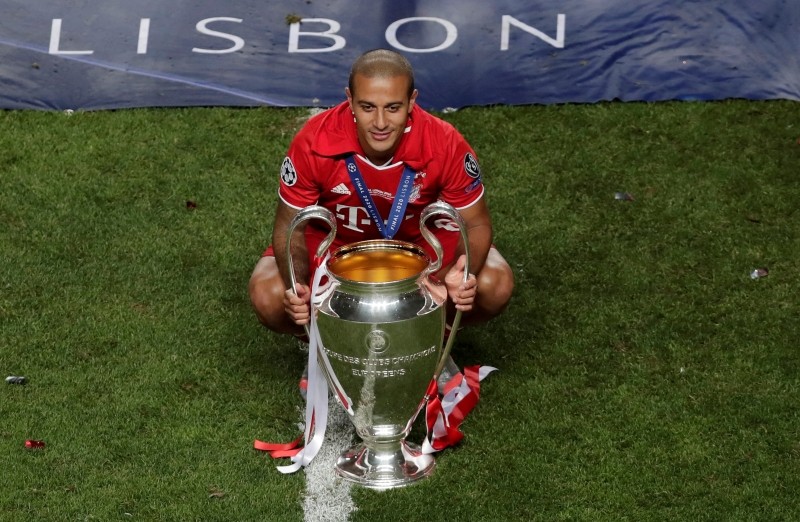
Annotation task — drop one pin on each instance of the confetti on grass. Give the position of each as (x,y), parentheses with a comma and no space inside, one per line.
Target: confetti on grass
(216,493)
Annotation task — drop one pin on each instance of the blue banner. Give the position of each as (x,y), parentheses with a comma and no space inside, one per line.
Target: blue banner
(104,54)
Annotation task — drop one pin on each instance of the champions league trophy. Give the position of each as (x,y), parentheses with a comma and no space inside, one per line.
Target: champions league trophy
(381,323)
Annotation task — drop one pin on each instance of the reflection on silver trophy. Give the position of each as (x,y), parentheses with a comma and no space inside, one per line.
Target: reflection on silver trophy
(381,322)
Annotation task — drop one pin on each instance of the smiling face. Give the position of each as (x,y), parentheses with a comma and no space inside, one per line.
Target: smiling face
(380,105)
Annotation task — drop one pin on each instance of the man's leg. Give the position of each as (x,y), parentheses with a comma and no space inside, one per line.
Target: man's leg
(266,295)
(495,286)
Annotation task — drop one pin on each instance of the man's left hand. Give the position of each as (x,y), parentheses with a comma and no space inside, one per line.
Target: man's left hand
(461,293)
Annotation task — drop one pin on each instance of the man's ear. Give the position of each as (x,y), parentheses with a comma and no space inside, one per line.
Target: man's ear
(412,100)
(349,98)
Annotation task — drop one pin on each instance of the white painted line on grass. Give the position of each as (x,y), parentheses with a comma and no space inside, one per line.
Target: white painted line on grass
(328,496)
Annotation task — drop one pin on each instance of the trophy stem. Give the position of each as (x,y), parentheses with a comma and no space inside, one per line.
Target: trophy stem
(384,465)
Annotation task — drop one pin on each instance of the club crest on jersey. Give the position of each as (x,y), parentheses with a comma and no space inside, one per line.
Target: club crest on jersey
(415,191)
(471,166)
(288,174)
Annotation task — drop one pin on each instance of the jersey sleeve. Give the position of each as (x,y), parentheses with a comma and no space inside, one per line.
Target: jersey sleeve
(462,181)
(298,188)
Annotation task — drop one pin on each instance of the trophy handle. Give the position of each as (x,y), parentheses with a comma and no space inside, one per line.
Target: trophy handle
(310,212)
(440,207)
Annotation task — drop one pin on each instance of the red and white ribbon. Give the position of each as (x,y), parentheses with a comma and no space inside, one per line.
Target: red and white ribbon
(443,416)
(316,416)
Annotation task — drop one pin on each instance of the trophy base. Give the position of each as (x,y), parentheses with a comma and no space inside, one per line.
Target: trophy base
(387,469)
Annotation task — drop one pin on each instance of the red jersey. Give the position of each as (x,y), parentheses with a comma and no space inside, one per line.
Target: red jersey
(315,172)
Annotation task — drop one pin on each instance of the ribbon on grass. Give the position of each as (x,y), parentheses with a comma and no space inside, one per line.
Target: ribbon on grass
(444,415)
(316,415)
(279,450)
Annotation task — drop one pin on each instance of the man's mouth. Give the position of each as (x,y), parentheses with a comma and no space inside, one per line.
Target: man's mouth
(380,136)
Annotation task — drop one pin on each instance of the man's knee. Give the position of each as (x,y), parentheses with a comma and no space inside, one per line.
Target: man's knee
(495,285)
(266,291)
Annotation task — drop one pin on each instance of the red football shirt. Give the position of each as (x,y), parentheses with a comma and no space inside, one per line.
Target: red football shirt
(314,172)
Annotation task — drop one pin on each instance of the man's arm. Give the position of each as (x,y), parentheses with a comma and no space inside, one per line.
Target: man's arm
(283,217)
(479,231)
(295,300)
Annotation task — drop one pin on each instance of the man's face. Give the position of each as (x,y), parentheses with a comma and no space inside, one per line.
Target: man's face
(381,107)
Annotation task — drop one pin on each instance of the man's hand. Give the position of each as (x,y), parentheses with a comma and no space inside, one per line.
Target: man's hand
(295,302)
(461,293)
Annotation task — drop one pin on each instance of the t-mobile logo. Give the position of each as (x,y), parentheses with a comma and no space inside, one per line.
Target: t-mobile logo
(351,217)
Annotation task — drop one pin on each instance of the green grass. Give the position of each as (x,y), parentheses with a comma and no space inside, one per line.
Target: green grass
(644,375)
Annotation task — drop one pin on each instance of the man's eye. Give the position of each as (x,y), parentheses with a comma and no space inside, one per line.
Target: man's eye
(394,108)
(367,108)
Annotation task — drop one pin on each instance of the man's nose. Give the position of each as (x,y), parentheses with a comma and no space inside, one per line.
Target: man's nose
(380,119)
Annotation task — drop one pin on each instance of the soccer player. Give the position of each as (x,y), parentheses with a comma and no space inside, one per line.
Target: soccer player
(387,142)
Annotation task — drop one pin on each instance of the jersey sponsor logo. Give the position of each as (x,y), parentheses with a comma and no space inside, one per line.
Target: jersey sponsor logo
(471,166)
(288,173)
(354,218)
(341,188)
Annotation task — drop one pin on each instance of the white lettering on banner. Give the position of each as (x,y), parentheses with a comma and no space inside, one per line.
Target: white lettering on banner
(55,39)
(201,26)
(144,34)
(508,21)
(391,34)
(333,28)
(337,41)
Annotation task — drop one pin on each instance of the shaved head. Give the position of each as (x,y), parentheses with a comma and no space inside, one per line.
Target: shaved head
(382,63)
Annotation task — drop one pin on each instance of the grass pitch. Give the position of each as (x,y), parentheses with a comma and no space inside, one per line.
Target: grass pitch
(644,374)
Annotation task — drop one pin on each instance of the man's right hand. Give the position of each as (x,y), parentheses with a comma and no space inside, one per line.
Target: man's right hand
(295,302)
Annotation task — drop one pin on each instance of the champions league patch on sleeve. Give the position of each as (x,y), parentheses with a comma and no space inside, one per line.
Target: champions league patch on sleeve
(473,170)
(288,174)
(471,166)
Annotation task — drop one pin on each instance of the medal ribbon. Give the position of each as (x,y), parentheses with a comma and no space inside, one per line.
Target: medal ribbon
(389,229)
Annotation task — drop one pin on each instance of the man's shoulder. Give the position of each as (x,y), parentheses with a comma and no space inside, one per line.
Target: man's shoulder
(435,137)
